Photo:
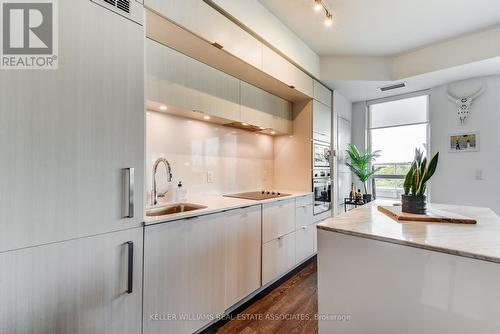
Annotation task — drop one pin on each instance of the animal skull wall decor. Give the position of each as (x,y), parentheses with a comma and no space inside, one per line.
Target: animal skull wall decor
(464,104)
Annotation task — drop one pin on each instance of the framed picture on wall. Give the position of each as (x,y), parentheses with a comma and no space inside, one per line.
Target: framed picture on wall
(464,142)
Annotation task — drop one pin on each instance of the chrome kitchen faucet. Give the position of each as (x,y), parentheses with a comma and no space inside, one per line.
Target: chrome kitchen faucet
(154,196)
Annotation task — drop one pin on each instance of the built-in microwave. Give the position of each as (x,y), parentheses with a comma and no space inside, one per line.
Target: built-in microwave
(321,155)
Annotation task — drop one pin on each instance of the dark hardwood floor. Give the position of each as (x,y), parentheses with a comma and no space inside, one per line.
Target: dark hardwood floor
(289,308)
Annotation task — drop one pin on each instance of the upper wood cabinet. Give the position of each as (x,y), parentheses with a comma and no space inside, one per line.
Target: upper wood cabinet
(201,19)
(268,69)
(177,80)
(264,109)
(280,68)
(322,94)
(322,122)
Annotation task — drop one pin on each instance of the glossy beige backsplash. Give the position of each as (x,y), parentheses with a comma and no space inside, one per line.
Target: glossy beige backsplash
(239,160)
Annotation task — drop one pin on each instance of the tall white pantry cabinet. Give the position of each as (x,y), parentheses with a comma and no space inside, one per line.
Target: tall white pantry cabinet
(72,169)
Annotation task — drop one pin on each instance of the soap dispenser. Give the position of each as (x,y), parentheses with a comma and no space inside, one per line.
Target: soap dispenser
(181,192)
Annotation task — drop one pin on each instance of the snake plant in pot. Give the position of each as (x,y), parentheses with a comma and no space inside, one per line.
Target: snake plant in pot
(415,184)
(360,164)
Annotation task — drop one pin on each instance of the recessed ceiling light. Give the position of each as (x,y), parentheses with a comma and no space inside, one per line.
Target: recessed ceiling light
(163,107)
(260,127)
(273,132)
(328,19)
(317,5)
(206,117)
(244,124)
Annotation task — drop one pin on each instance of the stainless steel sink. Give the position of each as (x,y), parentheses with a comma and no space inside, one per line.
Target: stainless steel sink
(171,209)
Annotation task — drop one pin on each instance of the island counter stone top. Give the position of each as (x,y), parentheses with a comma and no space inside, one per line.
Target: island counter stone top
(480,241)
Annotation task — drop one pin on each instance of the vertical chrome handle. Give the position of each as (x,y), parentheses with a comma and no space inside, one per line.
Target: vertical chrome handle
(129,197)
(130,276)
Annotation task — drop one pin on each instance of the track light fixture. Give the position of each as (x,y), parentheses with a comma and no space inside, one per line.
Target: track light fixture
(318,6)
(328,19)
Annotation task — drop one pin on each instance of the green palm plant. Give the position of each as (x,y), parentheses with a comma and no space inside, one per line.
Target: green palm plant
(360,163)
(420,172)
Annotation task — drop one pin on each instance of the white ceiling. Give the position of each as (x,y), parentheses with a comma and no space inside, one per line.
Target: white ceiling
(384,27)
(368,90)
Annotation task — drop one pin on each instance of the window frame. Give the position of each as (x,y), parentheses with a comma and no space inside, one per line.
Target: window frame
(368,129)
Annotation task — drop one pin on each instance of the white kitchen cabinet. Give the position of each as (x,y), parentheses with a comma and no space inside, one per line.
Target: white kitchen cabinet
(303,215)
(304,200)
(200,265)
(264,109)
(76,286)
(304,227)
(177,80)
(183,272)
(322,122)
(278,219)
(67,134)
(304,242)
(281,69)
(278,257)
(322,94)
(242,257)
(201,19)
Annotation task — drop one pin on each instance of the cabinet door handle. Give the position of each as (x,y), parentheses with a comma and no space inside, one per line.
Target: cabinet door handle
(130,276)
(129,196)
(304,227)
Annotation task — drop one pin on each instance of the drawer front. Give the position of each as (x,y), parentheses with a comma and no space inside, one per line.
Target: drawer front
(278,219)
(304,242)
(278,257)
(304,200)
(303,216)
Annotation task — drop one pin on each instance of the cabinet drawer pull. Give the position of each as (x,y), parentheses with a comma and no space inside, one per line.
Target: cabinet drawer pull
(130,278)
(304,227)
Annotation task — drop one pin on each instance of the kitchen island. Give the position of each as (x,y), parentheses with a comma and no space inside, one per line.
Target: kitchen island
(378,275)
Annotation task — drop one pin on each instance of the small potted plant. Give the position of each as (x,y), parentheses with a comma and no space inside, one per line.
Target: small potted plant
(360,165)
(415,184)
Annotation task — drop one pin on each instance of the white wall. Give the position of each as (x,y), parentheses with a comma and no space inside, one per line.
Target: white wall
(359,132)
(343,110)
(260,20)
(455,180)
(240,160)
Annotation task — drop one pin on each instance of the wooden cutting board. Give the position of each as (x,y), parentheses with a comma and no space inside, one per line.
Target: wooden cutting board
(432,215)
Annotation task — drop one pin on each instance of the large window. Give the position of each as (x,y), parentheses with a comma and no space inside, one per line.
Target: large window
(396,128)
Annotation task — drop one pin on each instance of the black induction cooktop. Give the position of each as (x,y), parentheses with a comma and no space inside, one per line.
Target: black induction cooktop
(258,195)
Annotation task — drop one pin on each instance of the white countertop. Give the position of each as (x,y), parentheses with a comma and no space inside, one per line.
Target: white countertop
(217,203)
